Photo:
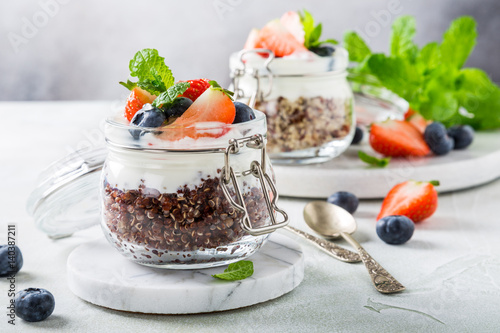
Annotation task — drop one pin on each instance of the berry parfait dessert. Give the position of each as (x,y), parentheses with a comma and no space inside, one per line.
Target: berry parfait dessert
(299,82)
(187,182)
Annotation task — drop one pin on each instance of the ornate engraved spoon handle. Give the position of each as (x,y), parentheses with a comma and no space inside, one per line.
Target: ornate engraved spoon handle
(332,249)
(383,281)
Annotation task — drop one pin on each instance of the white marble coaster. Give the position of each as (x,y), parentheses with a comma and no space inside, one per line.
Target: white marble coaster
(100,275)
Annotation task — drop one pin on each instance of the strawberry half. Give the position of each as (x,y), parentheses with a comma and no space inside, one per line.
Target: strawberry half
(397,138)
(415,200)
(419,122)
(251,42)
(136,101)
(196,88)
(291,21)
(212,106)
(275,37)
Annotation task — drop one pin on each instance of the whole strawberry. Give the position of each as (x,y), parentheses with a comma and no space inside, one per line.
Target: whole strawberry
(196,88)
(415,200)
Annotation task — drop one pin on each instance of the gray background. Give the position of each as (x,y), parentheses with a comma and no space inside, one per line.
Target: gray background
(81,49)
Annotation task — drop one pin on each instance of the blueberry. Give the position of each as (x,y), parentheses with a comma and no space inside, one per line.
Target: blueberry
(323,51)
(395,229)
(34,304)
(148,116)
(358,136)
(11,260)
(462,134)
(243,113)
(178,107)
(346,200)
(437,139)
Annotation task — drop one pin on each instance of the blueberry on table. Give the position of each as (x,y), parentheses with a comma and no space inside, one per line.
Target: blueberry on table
(148,116)
(178,107)
(34,304)
(462,134)
(395,229)
(358,136)
(11,260)
(437,138)
(346,200)
(323,51)
(243,113)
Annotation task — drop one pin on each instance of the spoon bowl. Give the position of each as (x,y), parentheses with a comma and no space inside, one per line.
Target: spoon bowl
(330,220)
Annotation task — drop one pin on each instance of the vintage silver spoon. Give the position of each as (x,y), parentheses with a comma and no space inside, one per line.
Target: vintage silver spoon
(330,220)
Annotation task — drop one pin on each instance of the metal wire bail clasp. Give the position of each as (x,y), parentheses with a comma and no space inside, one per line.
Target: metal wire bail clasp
(257,170)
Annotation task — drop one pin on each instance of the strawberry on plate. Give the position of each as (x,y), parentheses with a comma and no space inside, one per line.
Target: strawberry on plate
(196,88)
(397,138)
(275,37)
(415,200)
(212,106)
(136,101)
(416,119)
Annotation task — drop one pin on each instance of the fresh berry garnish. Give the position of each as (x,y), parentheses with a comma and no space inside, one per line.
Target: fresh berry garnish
(212,106)
(358,136)
(244,113)
(437,139)
(177,108)
(291,21)
(11,260)
(251,42)
(395,229)
(34,304)
(136,100)
(323,51)
(149,116)
(397,138)
(346,200)
(196,88)
(462,134)
(415,200)
(275,37)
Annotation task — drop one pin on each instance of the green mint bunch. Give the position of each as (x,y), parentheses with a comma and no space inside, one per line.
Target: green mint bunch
(432,78)
(155,77)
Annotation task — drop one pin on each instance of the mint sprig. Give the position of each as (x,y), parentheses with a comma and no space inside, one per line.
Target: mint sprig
(374,161)
(236,271)
(217,87)
(167,97)
(312,32)
(431,78)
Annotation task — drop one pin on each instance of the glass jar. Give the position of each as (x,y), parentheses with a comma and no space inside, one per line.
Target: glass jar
(188,203)
(308,102)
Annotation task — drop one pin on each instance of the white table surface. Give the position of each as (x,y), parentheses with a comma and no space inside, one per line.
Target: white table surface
(451,266)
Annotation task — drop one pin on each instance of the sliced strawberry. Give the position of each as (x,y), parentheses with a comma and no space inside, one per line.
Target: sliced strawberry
(212,106)
(397,138)
(252,39)
(291,21)
(196,88)
(419,122)
(275,37)
(136,100)
(415,200)
(410,112)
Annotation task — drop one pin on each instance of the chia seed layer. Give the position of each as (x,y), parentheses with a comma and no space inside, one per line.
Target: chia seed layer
(305,122)
(189,220)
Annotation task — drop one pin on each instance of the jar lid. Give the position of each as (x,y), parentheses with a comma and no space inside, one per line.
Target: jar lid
(65,199)
(302,63)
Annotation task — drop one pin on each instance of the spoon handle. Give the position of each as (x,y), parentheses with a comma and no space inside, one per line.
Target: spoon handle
(332,249)
(383,281)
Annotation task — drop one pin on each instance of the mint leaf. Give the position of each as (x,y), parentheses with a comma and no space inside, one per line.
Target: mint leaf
(458,41)
(403,32)
(216,86)
(150,69)
(372,160)
(167,97)
(236,271)
(315,35)
(129,84)
(356,46)
(428,58)
(312,33)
